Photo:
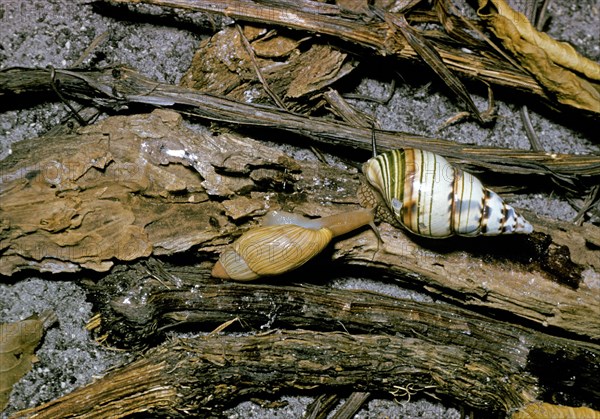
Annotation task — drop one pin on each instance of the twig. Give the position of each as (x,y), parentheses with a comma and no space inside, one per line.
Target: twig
(431,57)
(530,12)
(257,70)
(352,405)
(321,406)
(590,200)
(54,86)
(118,86)
(534,140)
(384,101)
(97,41)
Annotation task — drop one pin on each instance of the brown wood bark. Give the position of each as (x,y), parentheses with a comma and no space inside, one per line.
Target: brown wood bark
(120,86)
(491,366)
(331,20)
(411,347)
(153,298)
(197,376)
(130,187)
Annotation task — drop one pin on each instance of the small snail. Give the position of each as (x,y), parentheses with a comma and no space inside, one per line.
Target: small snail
(284,242)
(432,198)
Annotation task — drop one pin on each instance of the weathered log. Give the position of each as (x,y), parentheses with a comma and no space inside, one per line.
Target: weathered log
(130,187)
(205,374)
(119,87)
(140,302)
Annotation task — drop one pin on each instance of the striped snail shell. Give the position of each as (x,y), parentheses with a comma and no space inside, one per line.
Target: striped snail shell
(284,242)
(428,196)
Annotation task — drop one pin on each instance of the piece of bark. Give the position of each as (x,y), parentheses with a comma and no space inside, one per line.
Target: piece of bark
(331,20)
(205,374)
(130,187)
(119,87)
(121,190)
(142,301)
(222,66)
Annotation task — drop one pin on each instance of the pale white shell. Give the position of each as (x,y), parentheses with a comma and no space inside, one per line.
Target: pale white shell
(432,198)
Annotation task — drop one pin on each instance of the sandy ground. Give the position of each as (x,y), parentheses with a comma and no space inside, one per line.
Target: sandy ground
(55,32)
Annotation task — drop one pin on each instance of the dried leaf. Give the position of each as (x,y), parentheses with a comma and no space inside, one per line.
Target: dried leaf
(561,53)
(18,341)
(568,88)
(547,410)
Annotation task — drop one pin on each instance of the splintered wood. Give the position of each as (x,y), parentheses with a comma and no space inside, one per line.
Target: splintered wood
(130,187)
(224,66)
(123,189)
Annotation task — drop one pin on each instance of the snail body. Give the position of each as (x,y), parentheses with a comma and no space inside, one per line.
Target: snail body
(428,196)
(284,242)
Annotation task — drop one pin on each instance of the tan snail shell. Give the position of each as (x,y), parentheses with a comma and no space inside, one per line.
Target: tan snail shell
(284,242)
(428,196)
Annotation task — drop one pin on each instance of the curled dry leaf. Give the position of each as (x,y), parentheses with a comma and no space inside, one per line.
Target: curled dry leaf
(18,341)
(561,53)
(549,61)
(547,410)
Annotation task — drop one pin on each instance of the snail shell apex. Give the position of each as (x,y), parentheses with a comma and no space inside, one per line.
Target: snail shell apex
(427,195)
(271,250)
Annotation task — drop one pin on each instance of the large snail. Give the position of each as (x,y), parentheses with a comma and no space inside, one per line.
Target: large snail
(284,242)
(432,198)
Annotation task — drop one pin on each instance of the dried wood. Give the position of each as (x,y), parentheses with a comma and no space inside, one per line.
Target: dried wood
(352,405)
(224,65)
(130,187)
(321,406)
(417,346)
(486,62)
(119,87)
(141,302)
(429,54)
(357,28)
(203,375)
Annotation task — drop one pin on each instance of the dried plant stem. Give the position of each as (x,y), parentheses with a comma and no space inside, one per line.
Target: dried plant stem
(119,86)
(327,19)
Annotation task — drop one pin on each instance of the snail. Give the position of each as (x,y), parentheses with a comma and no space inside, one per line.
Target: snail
(284,242)
(431,198)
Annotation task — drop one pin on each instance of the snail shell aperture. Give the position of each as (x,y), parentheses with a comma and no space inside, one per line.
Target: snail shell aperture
(428,196)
